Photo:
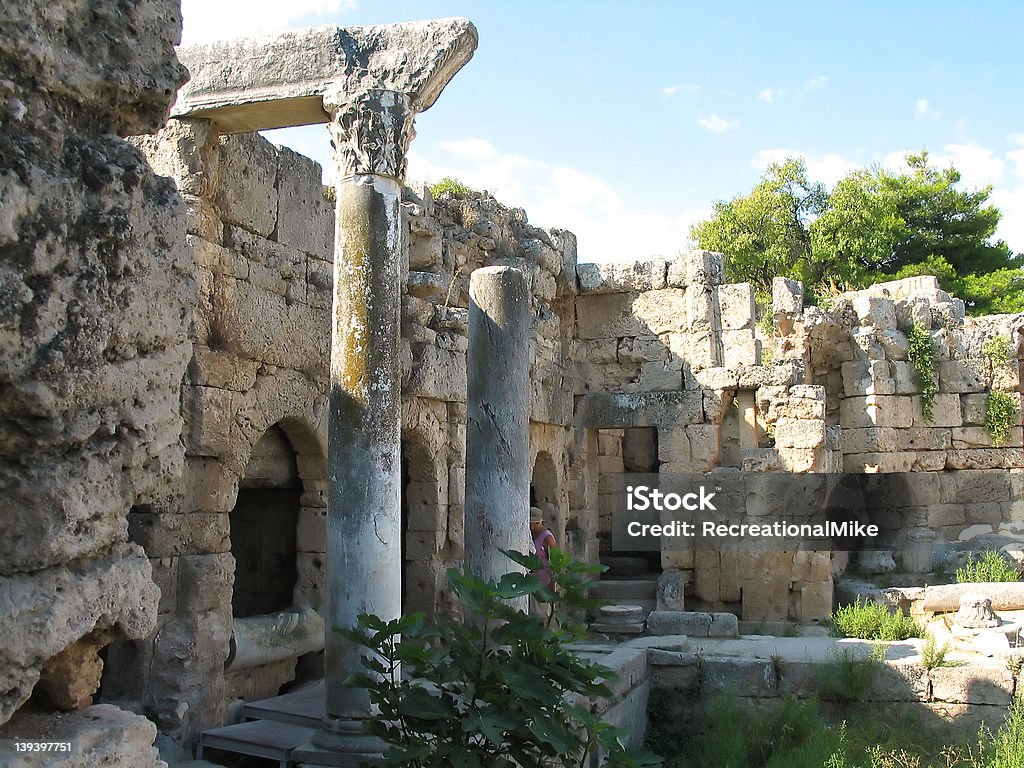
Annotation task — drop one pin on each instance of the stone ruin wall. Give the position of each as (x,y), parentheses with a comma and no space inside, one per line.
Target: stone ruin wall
(157,338)
(96,284)
(828,391)
(957,483)
(261,235)
(668,345)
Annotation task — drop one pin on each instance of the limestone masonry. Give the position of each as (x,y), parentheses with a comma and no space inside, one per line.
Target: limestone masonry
(167,385)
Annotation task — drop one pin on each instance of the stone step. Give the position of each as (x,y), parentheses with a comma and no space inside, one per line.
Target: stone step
(304,707)
(267,739)
(619,565)
(625,590)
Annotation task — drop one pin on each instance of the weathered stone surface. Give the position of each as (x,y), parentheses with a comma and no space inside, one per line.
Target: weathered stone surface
(101,735)
(43,613)
(255,84)
(621,277)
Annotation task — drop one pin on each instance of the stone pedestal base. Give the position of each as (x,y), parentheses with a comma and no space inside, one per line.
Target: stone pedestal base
(341,744)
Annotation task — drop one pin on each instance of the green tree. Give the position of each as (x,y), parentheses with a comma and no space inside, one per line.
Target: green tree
(874,225)
(766,232)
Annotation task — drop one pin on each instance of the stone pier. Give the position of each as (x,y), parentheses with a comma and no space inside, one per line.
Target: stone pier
(498,420)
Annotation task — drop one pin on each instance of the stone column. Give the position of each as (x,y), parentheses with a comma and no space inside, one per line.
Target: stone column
(498,420)
(371,131)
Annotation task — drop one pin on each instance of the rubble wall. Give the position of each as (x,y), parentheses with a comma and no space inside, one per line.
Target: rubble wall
(96,285)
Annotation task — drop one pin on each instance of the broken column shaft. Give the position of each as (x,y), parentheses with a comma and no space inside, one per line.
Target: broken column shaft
(498,420)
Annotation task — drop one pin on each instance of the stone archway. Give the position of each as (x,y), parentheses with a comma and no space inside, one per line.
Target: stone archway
(264,523)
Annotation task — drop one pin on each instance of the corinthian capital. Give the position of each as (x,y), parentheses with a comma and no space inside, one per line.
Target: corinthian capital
(371,131)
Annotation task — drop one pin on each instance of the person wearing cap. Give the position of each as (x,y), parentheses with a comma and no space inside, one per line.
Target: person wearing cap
(542,541)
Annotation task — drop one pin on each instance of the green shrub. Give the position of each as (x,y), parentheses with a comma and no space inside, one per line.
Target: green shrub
(871,621)
(849,676)
(991,566)
(922,356)
(1000,415)
(499,689)
(997,350)
(933,655)
(451,187)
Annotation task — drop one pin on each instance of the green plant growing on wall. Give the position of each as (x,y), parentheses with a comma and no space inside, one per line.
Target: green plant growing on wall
(452,187)
(1000,415)
(922,356)
(499,690)
(997,351)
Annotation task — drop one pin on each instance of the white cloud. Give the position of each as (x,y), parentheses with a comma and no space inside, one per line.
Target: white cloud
(921,109)
(671,90)
(771,95)
(1010,203)
(474,149)
(717,124)
(978,165)
(607,226)
(206,20)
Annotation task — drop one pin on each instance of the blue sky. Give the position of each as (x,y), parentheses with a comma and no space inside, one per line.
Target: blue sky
(624,123)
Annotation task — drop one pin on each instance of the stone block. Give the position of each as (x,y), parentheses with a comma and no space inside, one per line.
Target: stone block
(972,684)
(945,411)
(869,440)
(660,311)
(716,378)
(671,589)
(640,349)
(305,220)
(868,377)
(766,599)
(748,678)
(311,578)
(816,600)
(247,193)
(978,437)
(205,582)
(222,370)
(904,377)
(972,407)
(704,267)
(311,531)
(723,625)
(605,316)
(740,349)
(170,535)
(699,305)
(946,514)
(799,433)
(787,296)
(621,277)
(875,311)
(661,376)
(962,376)
(879,462)
(689,623)
(876,411)
(165,576)
(974,486)
(736,306)
(924,439)
(439,374)
(984,458)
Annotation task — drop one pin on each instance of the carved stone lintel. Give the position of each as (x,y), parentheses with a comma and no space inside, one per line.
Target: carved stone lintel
(371,131)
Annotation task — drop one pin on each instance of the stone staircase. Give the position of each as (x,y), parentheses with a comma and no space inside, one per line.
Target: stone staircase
(628,581)
(279,728)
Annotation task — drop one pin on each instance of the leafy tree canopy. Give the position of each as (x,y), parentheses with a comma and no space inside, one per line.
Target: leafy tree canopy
(875,225)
